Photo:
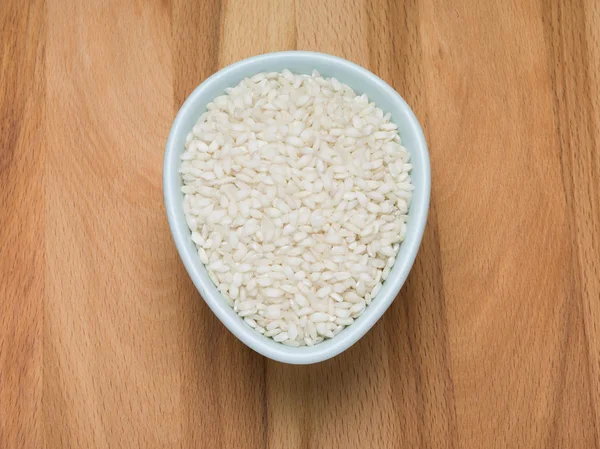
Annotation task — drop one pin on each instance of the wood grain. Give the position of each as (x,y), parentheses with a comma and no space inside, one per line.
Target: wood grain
(493,342)
(22,222)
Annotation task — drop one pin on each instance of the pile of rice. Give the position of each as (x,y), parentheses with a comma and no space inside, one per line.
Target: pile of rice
(296,194)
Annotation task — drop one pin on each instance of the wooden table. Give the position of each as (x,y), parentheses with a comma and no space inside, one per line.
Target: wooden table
(494,342)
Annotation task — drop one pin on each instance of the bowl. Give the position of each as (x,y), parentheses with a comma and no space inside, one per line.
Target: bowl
(362,81)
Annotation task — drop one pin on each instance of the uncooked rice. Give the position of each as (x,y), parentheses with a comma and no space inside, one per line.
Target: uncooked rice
(296,192)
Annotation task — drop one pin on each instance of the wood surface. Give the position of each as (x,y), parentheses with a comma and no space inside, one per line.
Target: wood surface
(494,341)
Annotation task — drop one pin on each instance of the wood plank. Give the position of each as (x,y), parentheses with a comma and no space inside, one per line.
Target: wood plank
(515,324)
(112,363)
(574,60)
(22,220)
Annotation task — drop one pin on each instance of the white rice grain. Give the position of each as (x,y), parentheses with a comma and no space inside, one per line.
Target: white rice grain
(296,193)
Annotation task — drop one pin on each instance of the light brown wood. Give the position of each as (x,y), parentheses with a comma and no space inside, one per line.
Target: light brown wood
(493,342)
(22,223)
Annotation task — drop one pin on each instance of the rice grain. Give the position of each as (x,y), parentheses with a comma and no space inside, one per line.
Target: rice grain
(296,193)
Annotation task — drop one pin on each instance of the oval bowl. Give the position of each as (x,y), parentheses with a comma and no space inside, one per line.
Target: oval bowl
(362,81)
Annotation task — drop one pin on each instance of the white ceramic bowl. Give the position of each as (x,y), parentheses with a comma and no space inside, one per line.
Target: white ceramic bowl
(362,81)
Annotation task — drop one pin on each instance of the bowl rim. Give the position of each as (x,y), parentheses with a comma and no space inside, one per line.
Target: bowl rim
(247,335)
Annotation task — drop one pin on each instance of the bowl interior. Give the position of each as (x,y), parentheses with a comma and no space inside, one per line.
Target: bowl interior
(362,81)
